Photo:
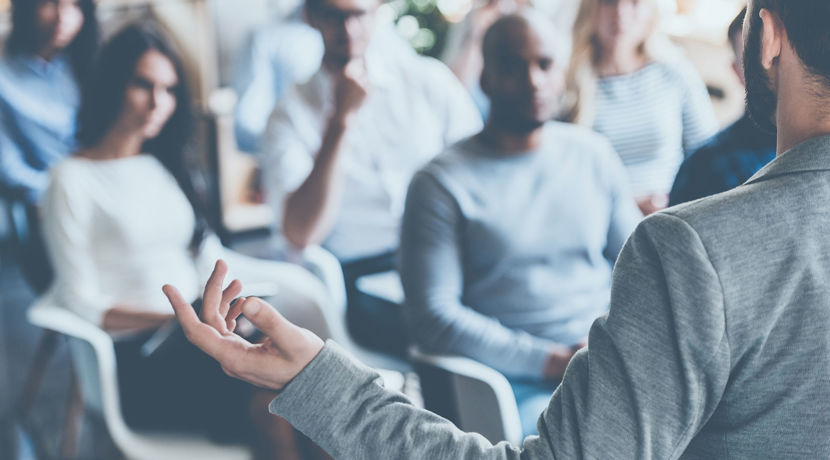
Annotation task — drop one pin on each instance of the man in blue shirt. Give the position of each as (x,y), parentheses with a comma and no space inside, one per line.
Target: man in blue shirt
(47,53)
(37,121)
(732,156)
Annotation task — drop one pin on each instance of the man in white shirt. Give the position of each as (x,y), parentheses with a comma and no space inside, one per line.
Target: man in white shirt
(277,57)
(341,149)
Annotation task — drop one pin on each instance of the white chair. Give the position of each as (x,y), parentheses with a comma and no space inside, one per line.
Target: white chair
(94,364)
(332,322)
(93,360)
(481,398)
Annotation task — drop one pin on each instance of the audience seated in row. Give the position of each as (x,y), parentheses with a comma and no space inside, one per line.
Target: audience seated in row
(341,149)
(627,82)
(121,218)
(716,342)
(510,236)
(734,155)
(507,239)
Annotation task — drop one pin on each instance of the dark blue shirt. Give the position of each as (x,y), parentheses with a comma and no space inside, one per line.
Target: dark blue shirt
(728,160)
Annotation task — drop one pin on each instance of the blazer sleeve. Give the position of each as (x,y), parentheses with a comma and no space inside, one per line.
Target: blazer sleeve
(653,374)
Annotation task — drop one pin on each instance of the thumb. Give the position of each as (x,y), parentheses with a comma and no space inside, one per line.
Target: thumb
(265,317)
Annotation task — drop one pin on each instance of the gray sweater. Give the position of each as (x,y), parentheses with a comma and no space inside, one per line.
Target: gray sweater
(504,257)
(717,345)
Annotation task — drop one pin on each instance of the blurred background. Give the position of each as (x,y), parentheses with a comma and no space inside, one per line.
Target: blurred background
(213,32)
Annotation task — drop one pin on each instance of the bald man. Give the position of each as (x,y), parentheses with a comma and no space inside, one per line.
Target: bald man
(717,342)
(509,237)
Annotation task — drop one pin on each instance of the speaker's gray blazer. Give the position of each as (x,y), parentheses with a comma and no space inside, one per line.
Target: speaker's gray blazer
(717,345)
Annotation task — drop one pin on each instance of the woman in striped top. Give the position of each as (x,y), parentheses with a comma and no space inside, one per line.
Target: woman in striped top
(629,83)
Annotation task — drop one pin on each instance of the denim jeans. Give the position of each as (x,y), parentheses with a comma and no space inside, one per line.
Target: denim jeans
(532,397)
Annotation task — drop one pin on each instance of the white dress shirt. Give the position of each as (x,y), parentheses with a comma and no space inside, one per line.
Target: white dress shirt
(415,108)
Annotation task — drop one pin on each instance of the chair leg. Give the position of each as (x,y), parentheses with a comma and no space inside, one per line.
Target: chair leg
(72,422)
(43,354)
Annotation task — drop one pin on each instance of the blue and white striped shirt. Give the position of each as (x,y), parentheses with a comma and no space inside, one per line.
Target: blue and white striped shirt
(654,118)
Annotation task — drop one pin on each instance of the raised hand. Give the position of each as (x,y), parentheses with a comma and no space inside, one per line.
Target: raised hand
(351,88)
(286,351)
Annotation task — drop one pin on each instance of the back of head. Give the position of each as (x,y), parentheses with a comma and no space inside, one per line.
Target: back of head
(24,39)
(806,23)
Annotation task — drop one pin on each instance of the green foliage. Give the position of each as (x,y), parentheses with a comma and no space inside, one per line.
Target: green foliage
(421,22)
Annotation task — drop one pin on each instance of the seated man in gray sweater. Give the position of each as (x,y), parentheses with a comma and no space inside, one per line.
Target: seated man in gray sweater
(510,236)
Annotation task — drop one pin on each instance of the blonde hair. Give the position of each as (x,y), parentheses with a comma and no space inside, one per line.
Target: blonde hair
(582,75)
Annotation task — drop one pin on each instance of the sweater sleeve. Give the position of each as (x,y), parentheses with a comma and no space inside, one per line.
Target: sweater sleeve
(653,374)
(67,224)
(431,273)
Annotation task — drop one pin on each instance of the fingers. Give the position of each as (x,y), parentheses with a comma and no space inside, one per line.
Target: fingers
(265,318)
(228,295)
(233,314)
(202,335)
(213,297)
(184,311)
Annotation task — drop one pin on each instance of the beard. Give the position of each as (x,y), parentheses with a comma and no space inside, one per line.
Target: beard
(509,116)
(761,99)
(517,125)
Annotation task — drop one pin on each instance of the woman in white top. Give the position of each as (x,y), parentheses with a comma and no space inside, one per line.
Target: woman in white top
(121,218)
(628,82)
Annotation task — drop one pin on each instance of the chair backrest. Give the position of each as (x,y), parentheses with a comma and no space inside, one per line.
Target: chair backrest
(325,266)
(93,361)
(475,397)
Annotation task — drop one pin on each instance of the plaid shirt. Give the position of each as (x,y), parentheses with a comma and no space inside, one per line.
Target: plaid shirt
(725,162)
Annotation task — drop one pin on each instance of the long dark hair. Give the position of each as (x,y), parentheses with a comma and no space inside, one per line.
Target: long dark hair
(103,99)
(23,39)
